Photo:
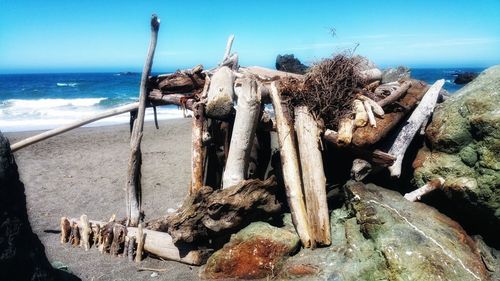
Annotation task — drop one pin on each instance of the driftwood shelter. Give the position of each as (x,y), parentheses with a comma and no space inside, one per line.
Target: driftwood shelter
(241,118)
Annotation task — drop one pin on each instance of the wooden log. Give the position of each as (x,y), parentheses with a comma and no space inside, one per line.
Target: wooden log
(133,180)
(197,150)
(57,131)
(245,125)
(372,86)
(85,234)
(346,126)
(208,212)
(290,167)
(118,243)
(139,237)
(220,94)
(266,74)
(371,75)
(432,185)
(313,174)
(125,246)
(369,113)
(413,124)
(227,51)
(375,107)
(74,237)
(376,156)
(65,230)
(131,247)
(395,95)
(360,114)
(161,244)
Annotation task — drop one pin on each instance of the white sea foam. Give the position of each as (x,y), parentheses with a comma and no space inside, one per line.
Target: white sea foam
(67,84)
(42,114)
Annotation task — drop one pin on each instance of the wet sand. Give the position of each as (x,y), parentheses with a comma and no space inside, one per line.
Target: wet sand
(83,172)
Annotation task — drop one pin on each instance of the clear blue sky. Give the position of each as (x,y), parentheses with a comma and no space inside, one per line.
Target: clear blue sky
(102,35)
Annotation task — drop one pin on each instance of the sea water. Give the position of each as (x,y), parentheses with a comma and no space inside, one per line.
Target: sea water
(45,101)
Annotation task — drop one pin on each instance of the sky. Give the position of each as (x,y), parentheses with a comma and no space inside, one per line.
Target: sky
(108,35)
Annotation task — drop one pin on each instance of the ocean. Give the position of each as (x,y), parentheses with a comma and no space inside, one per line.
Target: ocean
(45,101)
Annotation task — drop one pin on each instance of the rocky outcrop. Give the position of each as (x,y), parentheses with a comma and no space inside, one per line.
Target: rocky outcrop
(465,77)
(464,149)
(22,255)
(395,74)
(378,235)
(289,63)
(257,251)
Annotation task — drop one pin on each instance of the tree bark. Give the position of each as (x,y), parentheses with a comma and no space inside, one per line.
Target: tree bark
(198,151)
(243,135)
(133,182)
(290,166)
(313,174)
(413,124)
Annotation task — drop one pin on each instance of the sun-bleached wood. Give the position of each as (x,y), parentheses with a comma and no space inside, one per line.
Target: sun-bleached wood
(133,181)
(85,233)
(346,126)
(198,152)
(290,167)
(432,185)
(370,115)
(313,174)
(395,95)
(371,74)
(139,237)
(360,114)
(220,94)
(245,125)
(413,124)
(375,107)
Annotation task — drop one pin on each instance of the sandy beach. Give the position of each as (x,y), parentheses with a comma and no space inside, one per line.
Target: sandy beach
(83,172)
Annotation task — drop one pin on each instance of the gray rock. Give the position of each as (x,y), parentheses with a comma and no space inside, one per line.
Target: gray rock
(395,74)
(464,138)
(291,64)
(379,235)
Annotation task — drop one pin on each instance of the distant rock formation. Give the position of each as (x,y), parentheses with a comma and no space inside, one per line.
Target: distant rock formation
(465,77)
(289,63)
(395,74)
(22,255)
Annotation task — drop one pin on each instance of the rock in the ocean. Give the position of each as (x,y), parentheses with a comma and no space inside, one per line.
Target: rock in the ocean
(395,74)
(289,63)
(257,251)
(465,77)
(379,235)
(464,138)
(22,255)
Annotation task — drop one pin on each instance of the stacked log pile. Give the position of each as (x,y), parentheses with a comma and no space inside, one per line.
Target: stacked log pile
(340,100)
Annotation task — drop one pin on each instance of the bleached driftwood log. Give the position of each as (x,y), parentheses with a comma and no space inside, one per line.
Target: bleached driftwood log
(220,94)
(432,185)
(413,124)
(313,174)
(290,167)
(133,182)
(371,75)
(139,237)
(346,126)
(85,233)
(395,95)
(375,107)
(369,113)
(243,135)
(209,212)
(157,243)
(198,152)
(360,114)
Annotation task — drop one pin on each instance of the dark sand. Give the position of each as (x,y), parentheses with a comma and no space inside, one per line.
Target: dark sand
(83,172)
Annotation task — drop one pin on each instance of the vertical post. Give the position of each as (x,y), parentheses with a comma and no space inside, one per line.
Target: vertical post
(197,150)
(133,183)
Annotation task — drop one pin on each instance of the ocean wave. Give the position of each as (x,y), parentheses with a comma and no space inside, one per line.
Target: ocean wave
(67,84)
(50,103)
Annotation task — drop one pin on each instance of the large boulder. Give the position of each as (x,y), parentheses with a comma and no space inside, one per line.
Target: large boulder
(465,77)
(257,251)
(379,235)
(464,149)
(395,74)
(22,255)
(289,63)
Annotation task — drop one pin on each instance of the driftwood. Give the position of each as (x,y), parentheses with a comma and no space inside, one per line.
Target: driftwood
(220,93)
(346,126)
(85,233)
(395,95)
(360,169)
(375,107)
(361,115)
(207,212)
(185,81)
(157,243)
(133,182)
(432,185)
(243,136)
(369,113)
(419,115)
(376,156)
(139,237)
(65,229)
(313,174)
(367,136)
(198,151)
(290,168)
